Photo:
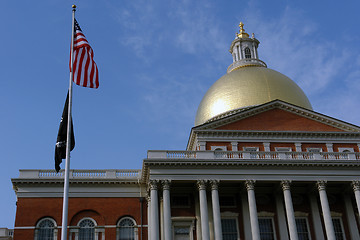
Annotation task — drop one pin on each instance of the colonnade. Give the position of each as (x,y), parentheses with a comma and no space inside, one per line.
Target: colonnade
(153,218)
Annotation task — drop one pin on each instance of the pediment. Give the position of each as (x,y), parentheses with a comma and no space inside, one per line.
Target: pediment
(278,116)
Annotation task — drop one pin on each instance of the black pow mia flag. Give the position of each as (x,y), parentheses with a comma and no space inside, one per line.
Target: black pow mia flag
(60,147)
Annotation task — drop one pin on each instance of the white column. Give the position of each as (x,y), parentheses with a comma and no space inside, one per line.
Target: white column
(329,147)
(246,216)
(266,147)
(356,188)
(254,222)
(216,209)
(254,51)
(154,211)
(318,229)
(289,210)
(329,226)
(241,51)
(354,232)
(167,209)
(283,232)
(202,146)
(234,146)
(204,218)
(298,147)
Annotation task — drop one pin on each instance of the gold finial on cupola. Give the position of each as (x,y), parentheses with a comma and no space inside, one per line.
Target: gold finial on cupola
(242,33)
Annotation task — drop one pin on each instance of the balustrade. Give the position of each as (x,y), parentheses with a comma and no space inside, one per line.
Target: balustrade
(82,174)
(246,155)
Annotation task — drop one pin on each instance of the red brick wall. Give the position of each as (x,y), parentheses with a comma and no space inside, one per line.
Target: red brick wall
(278,120)
(105,211)
(354,146)
(304,146)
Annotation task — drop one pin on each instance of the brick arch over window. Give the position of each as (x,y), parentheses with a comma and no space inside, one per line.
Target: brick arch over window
(98,218)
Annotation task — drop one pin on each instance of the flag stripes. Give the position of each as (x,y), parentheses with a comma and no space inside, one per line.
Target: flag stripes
(85,72)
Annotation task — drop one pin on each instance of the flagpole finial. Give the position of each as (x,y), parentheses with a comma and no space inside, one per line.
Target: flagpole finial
(74,6)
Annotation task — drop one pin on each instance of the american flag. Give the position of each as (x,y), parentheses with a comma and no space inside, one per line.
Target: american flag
(85,71)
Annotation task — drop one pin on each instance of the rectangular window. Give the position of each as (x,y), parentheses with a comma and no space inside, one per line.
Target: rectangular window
(338,228)
(181,233)
(182,228)
(302,228)
(251,149)
(229,229)
(314,150)
(283,149)
(266,226)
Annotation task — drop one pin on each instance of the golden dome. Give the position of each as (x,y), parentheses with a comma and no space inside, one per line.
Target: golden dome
(248,86)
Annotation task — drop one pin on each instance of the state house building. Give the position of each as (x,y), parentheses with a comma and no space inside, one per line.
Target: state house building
(260,163)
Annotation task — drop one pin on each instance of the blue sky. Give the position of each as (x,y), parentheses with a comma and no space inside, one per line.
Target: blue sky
(156,60)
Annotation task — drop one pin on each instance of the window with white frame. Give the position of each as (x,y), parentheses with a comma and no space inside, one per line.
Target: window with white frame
(218,148)
(252,151)
(314,150)
(126,229)
(46,229)
(266,227)
(87,229)
(346,149)
(230,229)
(338,228)
(283,149)
(302,227)
(183,228)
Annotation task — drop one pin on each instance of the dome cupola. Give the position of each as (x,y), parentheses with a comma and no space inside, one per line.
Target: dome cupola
(244,50)
(248,82)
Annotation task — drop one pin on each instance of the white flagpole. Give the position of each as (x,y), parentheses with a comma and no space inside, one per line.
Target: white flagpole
(68,139)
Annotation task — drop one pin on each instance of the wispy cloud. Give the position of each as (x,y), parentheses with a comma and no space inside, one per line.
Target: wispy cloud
(326,70)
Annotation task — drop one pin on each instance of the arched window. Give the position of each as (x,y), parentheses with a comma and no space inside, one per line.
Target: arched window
(46,229)
(126,229)
(247,53)
(87,229)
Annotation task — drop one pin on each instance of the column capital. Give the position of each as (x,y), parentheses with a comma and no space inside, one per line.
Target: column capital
(214,184)
(153,184)
(355,185)
(201,184)
(321,185)
(250,184)
(166,184)
(285,184)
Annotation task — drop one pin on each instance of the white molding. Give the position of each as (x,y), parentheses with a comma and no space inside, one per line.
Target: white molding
(299,214)
(265,214)
(342,149)
(215,148)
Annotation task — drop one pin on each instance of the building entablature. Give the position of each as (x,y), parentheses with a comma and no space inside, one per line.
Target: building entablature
(36,179)
(243,135)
